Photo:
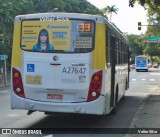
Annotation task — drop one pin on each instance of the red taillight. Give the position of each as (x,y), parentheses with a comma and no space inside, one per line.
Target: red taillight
(146,65)
(17,83)
(95,86)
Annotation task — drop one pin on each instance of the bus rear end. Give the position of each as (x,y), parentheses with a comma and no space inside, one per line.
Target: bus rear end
(60,78)
(141,63)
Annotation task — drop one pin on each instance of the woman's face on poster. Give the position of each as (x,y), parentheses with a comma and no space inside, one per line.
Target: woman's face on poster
(43,38)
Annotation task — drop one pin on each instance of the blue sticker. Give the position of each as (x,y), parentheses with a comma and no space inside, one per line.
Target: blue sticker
(30,67)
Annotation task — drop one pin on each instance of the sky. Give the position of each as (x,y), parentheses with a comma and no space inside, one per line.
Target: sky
(127,18)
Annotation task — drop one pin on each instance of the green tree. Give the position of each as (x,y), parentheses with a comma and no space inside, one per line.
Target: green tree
(153,12)
(152,6)
(144,2)
(135,47)
(11,8)
(152,49)
(8,10)
(110,10)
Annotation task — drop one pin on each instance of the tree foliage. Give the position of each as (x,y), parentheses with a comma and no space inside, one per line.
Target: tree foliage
(153,12)
(11,8)
(152,6)
(135,47)
(139,45)
(144,2)
(8,10)
(110,10)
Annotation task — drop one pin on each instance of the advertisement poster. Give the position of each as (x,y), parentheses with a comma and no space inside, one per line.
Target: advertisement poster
(57,33)
(141,62)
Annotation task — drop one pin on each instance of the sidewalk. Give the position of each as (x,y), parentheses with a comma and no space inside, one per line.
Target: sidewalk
(148,117)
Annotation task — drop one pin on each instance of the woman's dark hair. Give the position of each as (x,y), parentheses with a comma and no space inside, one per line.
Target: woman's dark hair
(43,32)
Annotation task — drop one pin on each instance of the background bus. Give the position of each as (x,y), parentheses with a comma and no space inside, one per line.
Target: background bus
(83,69)
(141,63)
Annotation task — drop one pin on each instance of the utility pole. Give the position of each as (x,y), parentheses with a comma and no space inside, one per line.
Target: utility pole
(5,72)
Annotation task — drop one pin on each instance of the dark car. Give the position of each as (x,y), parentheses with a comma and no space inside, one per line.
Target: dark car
(156,66)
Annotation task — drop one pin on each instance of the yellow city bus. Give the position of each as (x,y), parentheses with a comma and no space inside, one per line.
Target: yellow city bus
(68,63)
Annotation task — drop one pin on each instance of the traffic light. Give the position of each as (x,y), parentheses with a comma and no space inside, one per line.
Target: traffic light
(139,25)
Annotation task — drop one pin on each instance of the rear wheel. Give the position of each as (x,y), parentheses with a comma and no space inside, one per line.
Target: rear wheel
(126,86)
(116,97)
(56,114)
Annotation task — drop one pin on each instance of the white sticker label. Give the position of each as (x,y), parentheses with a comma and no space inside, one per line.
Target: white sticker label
(82,79)
(83,42)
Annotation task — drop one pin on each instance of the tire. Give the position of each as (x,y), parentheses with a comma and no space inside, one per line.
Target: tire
(123,97)
(126,86)
(113,111)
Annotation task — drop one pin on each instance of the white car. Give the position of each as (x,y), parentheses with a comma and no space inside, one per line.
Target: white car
(132,66)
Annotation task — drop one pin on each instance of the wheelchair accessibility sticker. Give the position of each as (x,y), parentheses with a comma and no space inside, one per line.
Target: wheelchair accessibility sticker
(30,67)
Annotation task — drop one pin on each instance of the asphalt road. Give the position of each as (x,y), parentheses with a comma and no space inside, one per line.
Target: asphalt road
(141,85)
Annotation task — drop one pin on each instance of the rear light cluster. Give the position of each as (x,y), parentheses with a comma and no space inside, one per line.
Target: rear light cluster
(95,86)
(17,83)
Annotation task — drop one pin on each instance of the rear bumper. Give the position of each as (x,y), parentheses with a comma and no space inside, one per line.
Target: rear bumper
(141,67)
(96,107)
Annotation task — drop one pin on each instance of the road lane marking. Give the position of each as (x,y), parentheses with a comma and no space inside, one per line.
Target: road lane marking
(133,79)
(152,79)
(49,135)
(143,79)
(10,115)
(14,115)
(154,74)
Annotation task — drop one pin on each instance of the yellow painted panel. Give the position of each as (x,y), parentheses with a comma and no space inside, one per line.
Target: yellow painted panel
(99,53)
(16,50)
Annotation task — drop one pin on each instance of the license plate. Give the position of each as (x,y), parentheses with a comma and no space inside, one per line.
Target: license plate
(55,96)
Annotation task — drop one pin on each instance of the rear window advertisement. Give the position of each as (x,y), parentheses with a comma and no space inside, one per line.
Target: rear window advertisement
(62,36)
(141,59)
(45,36)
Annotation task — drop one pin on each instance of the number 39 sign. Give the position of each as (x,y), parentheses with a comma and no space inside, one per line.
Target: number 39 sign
(84,27)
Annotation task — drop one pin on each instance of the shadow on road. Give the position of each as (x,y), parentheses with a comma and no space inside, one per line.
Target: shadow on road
(125,112)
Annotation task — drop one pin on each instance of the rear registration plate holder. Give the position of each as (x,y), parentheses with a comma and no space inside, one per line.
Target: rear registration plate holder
(55,96)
